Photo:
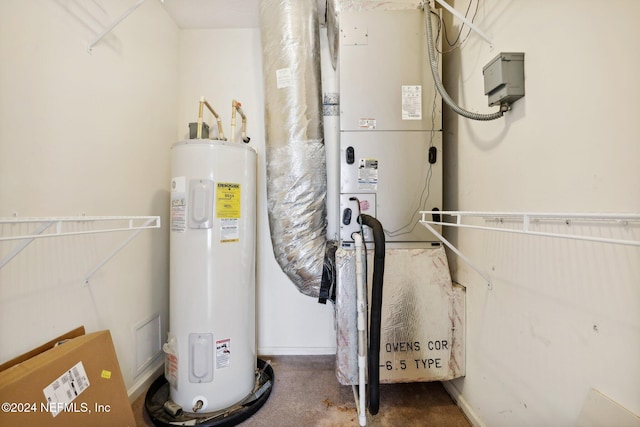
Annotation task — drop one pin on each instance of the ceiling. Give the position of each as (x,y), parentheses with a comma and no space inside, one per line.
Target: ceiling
(211,14)
(191,14)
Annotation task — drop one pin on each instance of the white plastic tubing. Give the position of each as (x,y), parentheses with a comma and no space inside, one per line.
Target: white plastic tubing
(295,154)
(362,331)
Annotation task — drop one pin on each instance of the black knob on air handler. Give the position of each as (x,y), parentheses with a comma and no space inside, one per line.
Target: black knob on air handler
(346,216)
(433,155)
(351,156)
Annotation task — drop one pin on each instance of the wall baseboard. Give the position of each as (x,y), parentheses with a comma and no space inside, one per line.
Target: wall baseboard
(462,403)
(145,380)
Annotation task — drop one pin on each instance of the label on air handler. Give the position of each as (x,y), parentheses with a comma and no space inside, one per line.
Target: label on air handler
(412,102)
(368,174)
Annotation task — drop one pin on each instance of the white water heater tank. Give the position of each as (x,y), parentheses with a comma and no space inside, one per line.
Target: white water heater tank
(211,351)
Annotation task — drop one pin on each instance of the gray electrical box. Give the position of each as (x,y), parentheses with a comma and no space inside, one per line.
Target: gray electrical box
(504,78)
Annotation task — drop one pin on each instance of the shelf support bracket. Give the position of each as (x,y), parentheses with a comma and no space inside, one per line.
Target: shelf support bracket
(113,25)
(528,221)
(478,270)
(119,248)
(467,22)
(106,224)
(20,246)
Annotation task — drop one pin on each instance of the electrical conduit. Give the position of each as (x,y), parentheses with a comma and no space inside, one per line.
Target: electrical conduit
(436,78)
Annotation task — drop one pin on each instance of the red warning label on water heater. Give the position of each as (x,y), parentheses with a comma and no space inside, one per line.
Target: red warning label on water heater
(223,353)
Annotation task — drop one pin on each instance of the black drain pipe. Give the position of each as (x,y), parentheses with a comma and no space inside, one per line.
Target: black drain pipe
(375,320)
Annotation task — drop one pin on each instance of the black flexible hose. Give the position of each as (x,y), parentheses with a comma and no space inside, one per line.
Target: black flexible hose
(376,311)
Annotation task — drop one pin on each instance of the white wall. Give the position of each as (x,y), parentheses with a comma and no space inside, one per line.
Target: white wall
(563,316)
(91,134)
(223,65)
(85,133)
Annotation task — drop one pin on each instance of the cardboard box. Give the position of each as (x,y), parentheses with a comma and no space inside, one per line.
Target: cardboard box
(76,383)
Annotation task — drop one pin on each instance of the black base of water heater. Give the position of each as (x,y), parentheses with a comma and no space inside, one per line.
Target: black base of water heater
(158,395)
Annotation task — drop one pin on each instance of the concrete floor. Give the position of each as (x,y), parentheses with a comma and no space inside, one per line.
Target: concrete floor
(307,393)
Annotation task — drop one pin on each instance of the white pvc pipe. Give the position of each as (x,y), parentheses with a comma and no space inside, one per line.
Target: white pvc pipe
(331,127)
(362,334)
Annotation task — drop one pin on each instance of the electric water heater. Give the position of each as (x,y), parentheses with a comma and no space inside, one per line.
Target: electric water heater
(211,349)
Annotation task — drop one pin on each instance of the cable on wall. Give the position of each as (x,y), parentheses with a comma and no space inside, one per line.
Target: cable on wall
(443,92)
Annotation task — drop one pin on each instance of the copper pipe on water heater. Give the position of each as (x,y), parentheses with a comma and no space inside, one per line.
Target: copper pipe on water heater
(236,107)
(203,103)
(200,108)
(219,122)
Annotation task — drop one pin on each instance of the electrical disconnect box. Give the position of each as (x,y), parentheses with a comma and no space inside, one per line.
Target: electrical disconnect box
(504,78)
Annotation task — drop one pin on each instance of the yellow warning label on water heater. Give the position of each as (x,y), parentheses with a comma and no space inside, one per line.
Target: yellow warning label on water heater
(227,200)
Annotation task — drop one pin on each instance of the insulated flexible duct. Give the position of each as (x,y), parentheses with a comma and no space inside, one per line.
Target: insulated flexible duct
(375,319)
(436,78)
(295,155)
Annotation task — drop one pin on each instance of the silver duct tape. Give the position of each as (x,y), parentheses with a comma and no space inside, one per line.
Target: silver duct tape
(331,98)
(330,110)
(296,171)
